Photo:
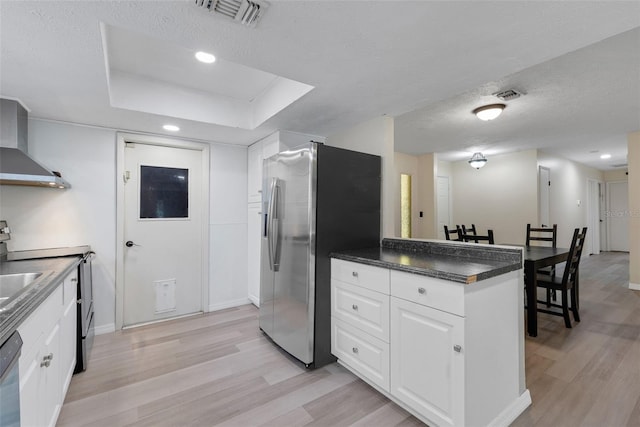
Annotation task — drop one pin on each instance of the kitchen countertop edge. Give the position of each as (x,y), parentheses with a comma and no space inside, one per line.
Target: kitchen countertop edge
(494,260)
(14,316)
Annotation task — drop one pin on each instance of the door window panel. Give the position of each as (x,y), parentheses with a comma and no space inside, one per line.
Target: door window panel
(164,192)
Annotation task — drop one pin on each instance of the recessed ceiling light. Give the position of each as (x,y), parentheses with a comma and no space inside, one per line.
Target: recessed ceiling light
(605,156)
(171,128)
(205,57)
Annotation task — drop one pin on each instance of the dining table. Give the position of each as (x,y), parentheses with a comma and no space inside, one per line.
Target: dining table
(535,258)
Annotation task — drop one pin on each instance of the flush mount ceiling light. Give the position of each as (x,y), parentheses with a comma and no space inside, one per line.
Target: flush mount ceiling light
(171,128)
(605,156)
(205,57)
(489,112)
(477,160)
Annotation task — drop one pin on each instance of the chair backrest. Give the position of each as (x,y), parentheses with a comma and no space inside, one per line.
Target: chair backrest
(477,238)
(468,230)
(456,234)
(542,234)
(575,252)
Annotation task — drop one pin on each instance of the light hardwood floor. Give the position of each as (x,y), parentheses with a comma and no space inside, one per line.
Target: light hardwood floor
(219,369)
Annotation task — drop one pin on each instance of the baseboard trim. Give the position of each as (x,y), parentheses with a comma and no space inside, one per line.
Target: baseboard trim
(634,286)
(255,301)
(105,329)
(513,411)
(229,304)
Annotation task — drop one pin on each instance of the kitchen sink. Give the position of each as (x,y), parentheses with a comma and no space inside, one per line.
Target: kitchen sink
(12,285)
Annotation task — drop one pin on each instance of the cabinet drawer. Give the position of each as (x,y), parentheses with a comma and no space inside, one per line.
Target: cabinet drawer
(41,320)
(365,354)
(436,293)
(374,278)
(367,310)
(70,287)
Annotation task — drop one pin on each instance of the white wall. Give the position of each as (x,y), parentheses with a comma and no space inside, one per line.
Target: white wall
(86,213)
(568,186)
(502,196)
(375,137)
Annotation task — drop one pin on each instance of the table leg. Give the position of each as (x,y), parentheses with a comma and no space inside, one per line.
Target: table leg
(532,297)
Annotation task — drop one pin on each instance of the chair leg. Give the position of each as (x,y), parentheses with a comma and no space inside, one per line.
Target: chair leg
(565,309)
(574,305)
(548,297)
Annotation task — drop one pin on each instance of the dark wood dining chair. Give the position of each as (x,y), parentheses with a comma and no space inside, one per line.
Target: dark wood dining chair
(548,236)
(476,238)
(469,230)
(453,234)
(567,286)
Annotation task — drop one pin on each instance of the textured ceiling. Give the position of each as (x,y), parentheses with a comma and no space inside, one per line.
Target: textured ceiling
(364,58)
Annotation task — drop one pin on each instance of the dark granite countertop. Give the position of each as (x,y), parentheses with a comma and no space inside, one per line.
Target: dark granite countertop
(454,261)
(54,270)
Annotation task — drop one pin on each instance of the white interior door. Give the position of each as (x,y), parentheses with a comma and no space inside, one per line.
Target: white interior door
(544,204)
(444,214)
(163,255)
(618,216)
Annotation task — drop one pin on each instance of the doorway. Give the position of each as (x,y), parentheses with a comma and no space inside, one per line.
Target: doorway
(544,190)
(618,216)
(443,205)
(594,218)
(162,229)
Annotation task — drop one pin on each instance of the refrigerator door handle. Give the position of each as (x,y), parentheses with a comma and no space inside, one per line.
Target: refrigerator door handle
(272,225)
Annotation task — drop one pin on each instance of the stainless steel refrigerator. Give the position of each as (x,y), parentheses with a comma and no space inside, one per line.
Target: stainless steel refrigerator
(316,200)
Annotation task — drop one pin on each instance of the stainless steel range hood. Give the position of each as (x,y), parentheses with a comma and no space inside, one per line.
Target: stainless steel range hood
(16,167)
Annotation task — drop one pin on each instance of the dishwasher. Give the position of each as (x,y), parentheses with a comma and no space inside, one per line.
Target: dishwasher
(9,381)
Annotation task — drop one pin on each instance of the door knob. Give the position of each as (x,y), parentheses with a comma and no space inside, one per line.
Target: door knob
(130,244)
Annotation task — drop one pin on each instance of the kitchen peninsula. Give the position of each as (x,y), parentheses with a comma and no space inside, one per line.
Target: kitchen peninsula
(435,326)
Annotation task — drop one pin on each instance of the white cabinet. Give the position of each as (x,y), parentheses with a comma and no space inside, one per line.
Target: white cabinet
(263,149)
(427,372)
(360,319)
(254,173)
(48,356)
(438,348)
(254,223)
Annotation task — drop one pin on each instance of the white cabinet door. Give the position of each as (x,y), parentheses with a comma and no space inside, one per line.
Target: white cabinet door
(254,223)
(30,378)
(51,397)
(68,343)
(427,361)
(254,173)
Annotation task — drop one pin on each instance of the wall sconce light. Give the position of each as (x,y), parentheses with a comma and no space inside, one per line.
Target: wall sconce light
(489,112)
(477,161)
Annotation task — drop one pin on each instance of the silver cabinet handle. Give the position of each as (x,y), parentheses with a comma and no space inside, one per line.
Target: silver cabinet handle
(74,280)
(457,348)
(422,291)
(355,307)
(355,350)
(354,274)
(46,360)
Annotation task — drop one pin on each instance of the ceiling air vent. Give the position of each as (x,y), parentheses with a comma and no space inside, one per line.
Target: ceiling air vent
(509,94)
(245,12)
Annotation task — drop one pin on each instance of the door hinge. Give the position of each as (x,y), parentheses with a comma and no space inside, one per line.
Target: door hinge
(126,176)
(549,183)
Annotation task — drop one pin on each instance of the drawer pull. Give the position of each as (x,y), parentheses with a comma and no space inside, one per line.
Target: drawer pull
(457,348)
(355,350)
(422,291)
(354,274)
(355,307)
(46,360)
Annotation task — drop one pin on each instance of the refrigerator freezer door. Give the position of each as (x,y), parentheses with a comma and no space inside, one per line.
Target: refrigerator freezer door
(290,291)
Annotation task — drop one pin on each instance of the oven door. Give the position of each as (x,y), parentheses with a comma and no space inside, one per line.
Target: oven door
(9,382)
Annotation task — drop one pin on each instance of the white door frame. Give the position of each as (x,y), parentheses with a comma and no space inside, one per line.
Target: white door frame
(122,139)
(593,216)
(544,189)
